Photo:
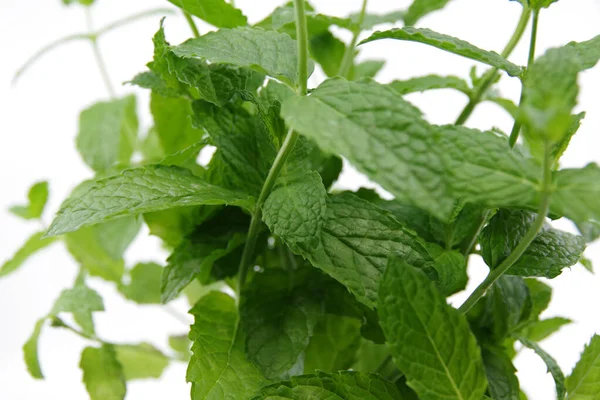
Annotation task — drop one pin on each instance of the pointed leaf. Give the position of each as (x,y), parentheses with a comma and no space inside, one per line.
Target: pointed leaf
(443,360)
(30,351)
(429,82)
(38,195)
(553,368)
(584,381)
(102,373)
(141,361)
(218,13)
(448,43)
(501,374)
(420,8)
(34,244)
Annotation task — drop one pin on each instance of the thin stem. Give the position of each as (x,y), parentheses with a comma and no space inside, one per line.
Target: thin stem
(516,129)
(473,240)
(98,55)
(192,24)
(348,59)
(531,234)
(132,18)
(383,364)
(492,75)
(60,323)
(302,40)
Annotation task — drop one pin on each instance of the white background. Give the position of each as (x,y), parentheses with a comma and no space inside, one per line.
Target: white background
(38,123)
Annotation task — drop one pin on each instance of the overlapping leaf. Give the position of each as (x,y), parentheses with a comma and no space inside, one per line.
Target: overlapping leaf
(37,196)
(219,13)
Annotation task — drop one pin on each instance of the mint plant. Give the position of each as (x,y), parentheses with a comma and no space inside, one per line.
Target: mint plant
(300,290)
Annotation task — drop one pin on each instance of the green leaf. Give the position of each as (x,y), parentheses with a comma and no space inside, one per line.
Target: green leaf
(429,82)
(420,8)
(366,69)
(144,287)
(590,230)
(100,248)
(79,299)
(443,360)
(334,344)
(343,385)
(540,330)
(553,368)
(451,267)
(370,356)
(576,193)
(245,150)
(352,243)
(173,225)
(269,52)
(550,252)
(35,243)
(141,361)
(588,52)
(153,81)
(82,2)
(102,374)
(218,13)
(538,4)
(108,133)
(173,124)
(137,191)
(372,20)
(541,294)
(278,322)
(448,43)
(584,381)
(181,345)
(328,51)
(219,366)
(38,195)
(30,351)
(421,164)
(503,383)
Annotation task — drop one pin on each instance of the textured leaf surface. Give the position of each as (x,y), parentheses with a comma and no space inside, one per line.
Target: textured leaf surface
(334,344)
(137,191)
(278,322)
(37,195)
(141,361)
(218,13)
(576,195)
(108,133)
(34,244)
(443,360)
(173,124)
(219,368)
(270,52)
(30,351)
(421,164)
(503,382)
(584,381)
(429,82)
(448,43)
(344,385)
(550,252)
(102,373)
(80,299)
(144,286)
(420,8)
(553,368)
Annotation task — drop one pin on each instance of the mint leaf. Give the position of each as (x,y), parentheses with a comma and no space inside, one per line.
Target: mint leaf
(219,365)
(575,194)
(328,51)
(269,52)
(420,8)
(553,368)
(38,195)
(334,344)
(34,244)
(448,43)
(443,162)
(138,191)
(140,361)
(102,374)
(30,351)
(541,294)
(218,13)
(108,133)
(366,69)
(588,52)
(584,381)
(506,229)
(144,286)
(181,345)
(81,301)
(340,385)
(451,267)
(245,150)
(353,243)
(540,330)
(429,82)
(413,311)
(173,124)
(100,248)
(590,230)
(173,225)
(503,383)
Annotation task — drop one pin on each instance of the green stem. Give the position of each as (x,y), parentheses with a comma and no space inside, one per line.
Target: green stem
(61,324)
(98,55)
(383,364)
(192,24)
(284,152)
(348,59)
(516,129)
(531,234)
(473,240)
(492,75)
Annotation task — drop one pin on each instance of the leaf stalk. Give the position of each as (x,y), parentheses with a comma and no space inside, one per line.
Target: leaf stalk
(348,59)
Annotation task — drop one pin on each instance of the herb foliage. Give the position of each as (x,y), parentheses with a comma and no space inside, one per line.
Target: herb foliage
(299,290)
